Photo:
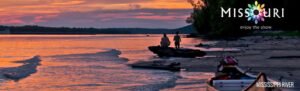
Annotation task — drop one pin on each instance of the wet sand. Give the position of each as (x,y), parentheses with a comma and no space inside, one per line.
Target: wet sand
(275,56)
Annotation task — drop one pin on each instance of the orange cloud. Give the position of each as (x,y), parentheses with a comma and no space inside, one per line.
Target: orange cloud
(92,11)
(167,4)
(10,21)
(68,3)
(15,6)
(144,13)
(157,17)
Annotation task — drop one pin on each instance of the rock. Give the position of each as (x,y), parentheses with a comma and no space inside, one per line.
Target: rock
(174,66)
(172,52)
(203,45)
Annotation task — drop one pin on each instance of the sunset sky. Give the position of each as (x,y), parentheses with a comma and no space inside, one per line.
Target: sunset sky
(96,13)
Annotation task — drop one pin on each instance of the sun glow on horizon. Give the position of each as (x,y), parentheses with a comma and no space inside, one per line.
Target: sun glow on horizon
(22,12)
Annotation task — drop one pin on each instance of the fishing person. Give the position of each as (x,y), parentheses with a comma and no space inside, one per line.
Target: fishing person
(177,40)
(165,42)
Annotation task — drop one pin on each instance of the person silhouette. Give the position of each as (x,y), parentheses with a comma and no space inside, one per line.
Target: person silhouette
(165,42)
(177,40)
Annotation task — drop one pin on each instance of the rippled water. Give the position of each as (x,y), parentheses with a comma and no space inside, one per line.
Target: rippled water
(92,62)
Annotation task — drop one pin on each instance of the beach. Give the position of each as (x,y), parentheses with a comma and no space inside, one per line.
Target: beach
(88,62)
(276,56)
(149,45)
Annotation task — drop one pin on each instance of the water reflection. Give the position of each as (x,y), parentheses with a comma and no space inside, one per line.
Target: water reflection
(62,70)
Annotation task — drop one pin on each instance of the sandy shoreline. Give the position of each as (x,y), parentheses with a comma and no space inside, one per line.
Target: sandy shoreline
(275,56)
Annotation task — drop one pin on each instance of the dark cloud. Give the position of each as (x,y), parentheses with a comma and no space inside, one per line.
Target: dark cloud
(134,6)
(135,18)
(95,13)
(122,18)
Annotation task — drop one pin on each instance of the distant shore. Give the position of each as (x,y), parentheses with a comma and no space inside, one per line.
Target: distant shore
(33,29)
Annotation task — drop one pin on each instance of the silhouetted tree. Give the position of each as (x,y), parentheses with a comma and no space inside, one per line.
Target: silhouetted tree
(206,17)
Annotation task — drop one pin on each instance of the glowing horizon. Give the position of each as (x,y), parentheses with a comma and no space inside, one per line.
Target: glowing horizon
(96,13)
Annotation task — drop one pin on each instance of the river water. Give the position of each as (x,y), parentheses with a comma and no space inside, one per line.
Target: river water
(93,62)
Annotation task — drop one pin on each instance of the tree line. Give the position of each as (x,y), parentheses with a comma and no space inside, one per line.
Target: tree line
(206,17)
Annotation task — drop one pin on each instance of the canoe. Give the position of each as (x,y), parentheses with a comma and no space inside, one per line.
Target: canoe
(171,67)
(172,52)
(238,80)
(261,78)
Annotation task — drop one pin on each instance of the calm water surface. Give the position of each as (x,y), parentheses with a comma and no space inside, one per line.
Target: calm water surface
(93,62)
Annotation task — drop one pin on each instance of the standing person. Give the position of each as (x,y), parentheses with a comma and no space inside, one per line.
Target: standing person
(165,42)
(177,40)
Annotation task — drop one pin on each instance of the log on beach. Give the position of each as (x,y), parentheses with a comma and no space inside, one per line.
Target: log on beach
(160,65)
